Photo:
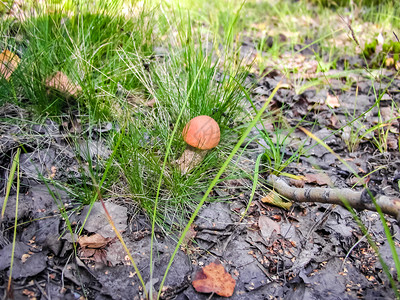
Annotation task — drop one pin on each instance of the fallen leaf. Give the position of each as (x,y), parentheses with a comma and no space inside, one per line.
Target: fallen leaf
(274,199)
(334,121)
(100,256)
(214,279)
(28,293)
(61,83)
(389,62)
(86,252)
(94,241)
(25,257)
(8,63)
(150,103)
(268,226)
(320,179)
(187,241)
(93,255)
(332,101)
(392,142)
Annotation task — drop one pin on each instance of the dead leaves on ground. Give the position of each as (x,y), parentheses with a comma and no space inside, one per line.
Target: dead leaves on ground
(273,198)
(332,101)
(8,63)
(61,83)
(214,279)
(94,241)
(268,227)
(92,248)
(316,178)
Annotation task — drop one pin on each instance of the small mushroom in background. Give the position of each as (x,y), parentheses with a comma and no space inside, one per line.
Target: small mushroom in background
(201,134)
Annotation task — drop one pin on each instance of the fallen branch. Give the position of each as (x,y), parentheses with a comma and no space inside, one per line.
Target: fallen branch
(357,200)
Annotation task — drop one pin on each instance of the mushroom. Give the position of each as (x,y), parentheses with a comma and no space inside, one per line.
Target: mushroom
(201,134)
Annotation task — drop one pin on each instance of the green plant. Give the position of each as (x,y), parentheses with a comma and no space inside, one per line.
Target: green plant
(14,167)
(187,83)
(14,171)
(276,148)
(82,47)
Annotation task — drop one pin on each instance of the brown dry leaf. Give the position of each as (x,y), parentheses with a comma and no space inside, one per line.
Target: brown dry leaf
(332,101)
(150,103)
(214,279)
(24,257)
(28,293)
(389,62)
(8,63)
(274,199)
(392,142)
(61,83)
(187,241)
(268,226)
(93,255)
(94,241)
(85,253)
(320,179)
(334,121)
(100,256)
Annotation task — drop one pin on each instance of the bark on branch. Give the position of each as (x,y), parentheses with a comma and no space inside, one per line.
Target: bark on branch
(357,200)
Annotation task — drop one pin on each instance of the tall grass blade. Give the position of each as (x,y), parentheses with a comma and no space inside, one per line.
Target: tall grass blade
(16,163)
(10,181)
(253,189)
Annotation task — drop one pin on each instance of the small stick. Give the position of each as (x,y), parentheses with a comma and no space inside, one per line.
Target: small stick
(397,38)
(390,206)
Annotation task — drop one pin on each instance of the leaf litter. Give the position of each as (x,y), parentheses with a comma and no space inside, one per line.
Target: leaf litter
(307,251)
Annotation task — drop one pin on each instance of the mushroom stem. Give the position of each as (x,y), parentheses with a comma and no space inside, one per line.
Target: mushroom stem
(190,158)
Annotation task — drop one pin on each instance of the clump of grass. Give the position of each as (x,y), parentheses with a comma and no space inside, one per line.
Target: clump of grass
(188,82)
(81,44)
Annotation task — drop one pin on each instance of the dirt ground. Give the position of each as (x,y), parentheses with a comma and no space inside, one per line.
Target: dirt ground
(311,251)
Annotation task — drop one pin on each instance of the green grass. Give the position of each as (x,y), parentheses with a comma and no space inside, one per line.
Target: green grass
(84,47)
(190,81)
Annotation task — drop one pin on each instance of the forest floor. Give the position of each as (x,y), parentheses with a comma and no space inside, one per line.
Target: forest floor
(307,250)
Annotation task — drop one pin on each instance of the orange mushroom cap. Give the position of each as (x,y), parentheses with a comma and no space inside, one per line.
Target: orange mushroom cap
(202,132)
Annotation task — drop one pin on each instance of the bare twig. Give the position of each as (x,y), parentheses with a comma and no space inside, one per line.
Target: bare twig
(397,38)
(390,206)
(351,30)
